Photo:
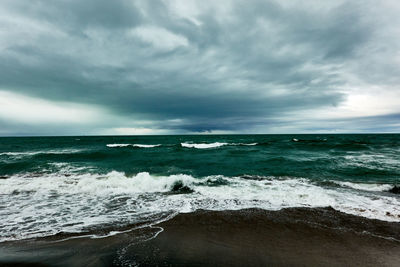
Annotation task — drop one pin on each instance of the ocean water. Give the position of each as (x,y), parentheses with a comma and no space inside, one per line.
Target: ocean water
(99,185)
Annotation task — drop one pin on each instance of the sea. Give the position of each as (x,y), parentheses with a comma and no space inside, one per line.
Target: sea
(98,185)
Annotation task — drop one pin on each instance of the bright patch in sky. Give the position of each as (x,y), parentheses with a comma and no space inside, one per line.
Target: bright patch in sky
(30,110)
(159,38)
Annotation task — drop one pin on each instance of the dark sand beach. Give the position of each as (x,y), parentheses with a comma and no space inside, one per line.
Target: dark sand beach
(250,237)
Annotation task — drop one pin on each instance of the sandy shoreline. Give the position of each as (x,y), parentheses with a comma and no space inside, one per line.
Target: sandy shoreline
(252,237)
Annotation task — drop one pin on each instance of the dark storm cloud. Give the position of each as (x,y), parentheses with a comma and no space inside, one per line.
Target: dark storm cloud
(214,66)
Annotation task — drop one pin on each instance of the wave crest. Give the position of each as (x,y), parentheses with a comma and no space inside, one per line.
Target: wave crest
(74,202)
(365,187)
(203,145)
(133,145)
(214,145)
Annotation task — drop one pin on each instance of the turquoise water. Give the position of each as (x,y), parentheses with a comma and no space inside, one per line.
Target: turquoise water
(80,184)
(364,158)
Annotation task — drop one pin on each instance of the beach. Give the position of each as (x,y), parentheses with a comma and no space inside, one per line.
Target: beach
(218,200)
(250,237)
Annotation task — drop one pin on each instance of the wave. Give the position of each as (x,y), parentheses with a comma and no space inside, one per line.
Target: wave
(203,146)
(133,145)
(146,146)
(75,202)
(214,145)
(22,154)
(118,145)
(245,144)
(365,187)
(39,152)
(332,144)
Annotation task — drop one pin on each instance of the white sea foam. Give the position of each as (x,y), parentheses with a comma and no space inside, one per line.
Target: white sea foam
(214,145)
(377,161)
(38,152)
(134,145)
(203,146)
(45,205)
(242,144)
(365,187)
(117,145)
(250,144)
(146,146)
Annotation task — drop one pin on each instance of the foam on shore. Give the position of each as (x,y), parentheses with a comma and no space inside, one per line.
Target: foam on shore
(75,202)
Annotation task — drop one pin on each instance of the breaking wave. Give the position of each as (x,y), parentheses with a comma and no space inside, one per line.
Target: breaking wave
(214,145)
(365,187)
(203,146)
(133,145)
(75,202)
(24,154)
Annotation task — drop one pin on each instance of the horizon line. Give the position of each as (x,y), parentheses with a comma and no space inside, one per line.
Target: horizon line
(198,134)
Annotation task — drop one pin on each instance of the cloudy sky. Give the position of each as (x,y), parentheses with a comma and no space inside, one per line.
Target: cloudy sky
(73,67)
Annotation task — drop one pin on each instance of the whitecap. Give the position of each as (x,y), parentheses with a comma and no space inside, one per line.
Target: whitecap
(133,145)
(146,146)
(244,144)
(117,145)
(203,145)
(33,153)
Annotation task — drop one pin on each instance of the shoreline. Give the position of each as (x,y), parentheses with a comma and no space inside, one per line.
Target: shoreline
(253,237)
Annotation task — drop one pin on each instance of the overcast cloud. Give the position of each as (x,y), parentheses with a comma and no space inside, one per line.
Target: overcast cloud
(159,67)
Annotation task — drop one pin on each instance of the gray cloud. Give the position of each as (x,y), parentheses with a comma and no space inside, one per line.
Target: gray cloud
(213,66)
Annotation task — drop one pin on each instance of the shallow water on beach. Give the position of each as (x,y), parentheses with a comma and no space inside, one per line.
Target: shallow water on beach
(52,185)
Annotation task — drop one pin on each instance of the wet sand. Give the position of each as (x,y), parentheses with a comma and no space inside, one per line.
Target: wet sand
(251,237)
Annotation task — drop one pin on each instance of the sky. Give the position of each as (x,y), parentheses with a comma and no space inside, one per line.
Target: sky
(122,67)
